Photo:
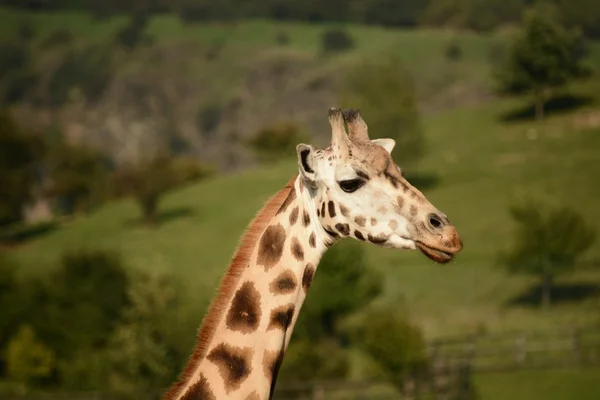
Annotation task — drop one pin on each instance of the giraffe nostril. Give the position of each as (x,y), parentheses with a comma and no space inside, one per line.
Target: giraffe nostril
(435,221)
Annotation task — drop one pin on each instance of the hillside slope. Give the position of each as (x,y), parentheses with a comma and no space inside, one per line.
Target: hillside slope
(481,164)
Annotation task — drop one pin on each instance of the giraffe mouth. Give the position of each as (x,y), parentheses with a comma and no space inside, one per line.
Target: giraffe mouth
(435,254)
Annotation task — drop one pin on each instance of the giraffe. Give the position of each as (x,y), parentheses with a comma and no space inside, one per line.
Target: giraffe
(351,189)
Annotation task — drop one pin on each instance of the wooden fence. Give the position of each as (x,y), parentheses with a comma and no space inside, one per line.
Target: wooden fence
(514,350)
(453,360)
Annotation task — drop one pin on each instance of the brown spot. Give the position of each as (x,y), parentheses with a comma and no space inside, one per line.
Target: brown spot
(376,239)
(393,224)
(233,363)
(271,246)
(361,221)
(312,240)
(288,200)
(400,201)
(285,283)
(294,215)
(382,210)
(359,235)
(297,250)
(413,210)
(199,391)
(331,208)
(318,212)
(345,212)
(305,218)
(344,229)
(281,317)
(307,276)
(330,232)
(271,363)
(254,395)
(244,313)
(323,209)
(373,222)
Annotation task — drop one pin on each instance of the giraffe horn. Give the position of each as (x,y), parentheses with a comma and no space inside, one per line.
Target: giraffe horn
(339,138)
(357,127)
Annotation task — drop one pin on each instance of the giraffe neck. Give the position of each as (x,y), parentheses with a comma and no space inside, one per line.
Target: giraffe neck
(246,332)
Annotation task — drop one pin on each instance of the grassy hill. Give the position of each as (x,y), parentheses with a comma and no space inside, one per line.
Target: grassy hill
(482,165)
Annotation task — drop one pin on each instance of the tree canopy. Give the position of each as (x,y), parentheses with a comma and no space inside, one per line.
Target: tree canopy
(544,55)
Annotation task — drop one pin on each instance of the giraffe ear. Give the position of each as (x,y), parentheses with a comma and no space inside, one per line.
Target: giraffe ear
(387,144)
(306,162)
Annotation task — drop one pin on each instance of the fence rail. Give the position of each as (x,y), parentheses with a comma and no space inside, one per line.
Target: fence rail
(453,359)
(489,353)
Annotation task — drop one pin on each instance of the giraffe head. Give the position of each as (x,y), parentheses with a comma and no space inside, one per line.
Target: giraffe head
(360,192)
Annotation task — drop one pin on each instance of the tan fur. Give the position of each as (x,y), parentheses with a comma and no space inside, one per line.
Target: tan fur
(228,284)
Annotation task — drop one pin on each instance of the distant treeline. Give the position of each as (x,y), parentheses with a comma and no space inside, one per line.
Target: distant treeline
(479,15)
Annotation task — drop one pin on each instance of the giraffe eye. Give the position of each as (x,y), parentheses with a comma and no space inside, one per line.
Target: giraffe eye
(351,185)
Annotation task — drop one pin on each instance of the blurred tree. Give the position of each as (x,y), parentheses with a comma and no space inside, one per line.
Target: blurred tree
(138,351)
(151,178)
(20,152)
(395,343)
(27,358)
(77,307)
(277,141)
(384,92)
(546,243)
(77,176)
(336,41)
(544,55)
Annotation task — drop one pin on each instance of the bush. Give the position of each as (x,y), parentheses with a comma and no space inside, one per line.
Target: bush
(396,344)
(20,152)
(209,118)
(277,141)
(57,37)
(150,179)
(82,302)
(282,38)
(335,41)
(133,34)
(453,51)
(78,177)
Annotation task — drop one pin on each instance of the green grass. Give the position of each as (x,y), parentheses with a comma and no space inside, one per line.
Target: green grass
(483,165)
(567,384)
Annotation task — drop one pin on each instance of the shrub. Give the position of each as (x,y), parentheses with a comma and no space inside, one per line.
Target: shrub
(20,152)
(150,179)
(453,51)
(282,38)
(27,358)
(78,177)
(57,37)
(335,41)
(277,141)
(133,34)
(395,343)
(209,118)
